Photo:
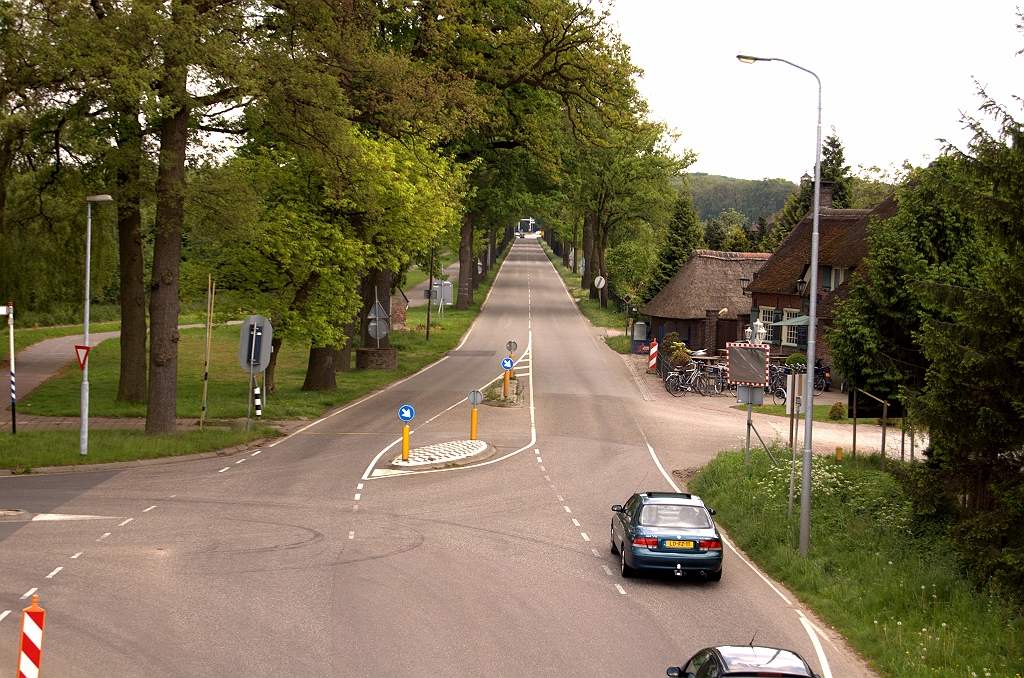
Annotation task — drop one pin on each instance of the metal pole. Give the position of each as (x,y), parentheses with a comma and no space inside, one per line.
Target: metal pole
(14,393)
(206,363)
(805,489)
(83,437)
(885,424)
(854,422)
(430,290)
(746,459)
(252,357)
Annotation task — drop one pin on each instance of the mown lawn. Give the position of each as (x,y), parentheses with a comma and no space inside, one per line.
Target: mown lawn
(893,588)
(33,449)
(820,414)
(228,387)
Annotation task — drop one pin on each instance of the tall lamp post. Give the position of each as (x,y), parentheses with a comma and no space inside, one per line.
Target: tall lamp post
(83,438)
(805,492)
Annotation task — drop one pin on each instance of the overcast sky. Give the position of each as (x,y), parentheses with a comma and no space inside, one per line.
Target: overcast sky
(895,75)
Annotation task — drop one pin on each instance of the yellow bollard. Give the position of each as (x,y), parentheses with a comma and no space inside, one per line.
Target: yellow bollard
(512,357)
(839,455)
(504,393)
(405,443)
(472,424)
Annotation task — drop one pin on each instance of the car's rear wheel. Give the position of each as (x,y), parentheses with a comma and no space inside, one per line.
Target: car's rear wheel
(614,549)
(715,576)
(625,570)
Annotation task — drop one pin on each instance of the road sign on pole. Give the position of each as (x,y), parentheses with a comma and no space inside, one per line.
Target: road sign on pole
(507,363)
(406,412)
(377,312)
(511,346)
(254,344)
(599,282)
(82,352)
(475,397)
(377,327)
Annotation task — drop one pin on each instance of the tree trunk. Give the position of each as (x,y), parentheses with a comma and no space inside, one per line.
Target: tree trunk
(465,296)
(343,355)
(575,248)
(588,251)
(379,280)
(275,346)
(320,370)
(565,254)
(132,386)
(493,240)
(603,292)
(170,213)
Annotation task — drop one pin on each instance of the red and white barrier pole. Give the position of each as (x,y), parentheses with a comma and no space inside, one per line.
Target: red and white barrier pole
(31,650)
(652,361)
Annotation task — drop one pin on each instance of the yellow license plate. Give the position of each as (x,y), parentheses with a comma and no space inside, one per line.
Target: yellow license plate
(676,544)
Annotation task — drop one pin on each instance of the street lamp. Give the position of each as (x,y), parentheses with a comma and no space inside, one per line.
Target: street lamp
(83,438)
(805,494)
(744,281)
(756,332)
(801,284)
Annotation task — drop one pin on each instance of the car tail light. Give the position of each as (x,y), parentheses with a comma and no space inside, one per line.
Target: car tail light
(646,542)
(710,545)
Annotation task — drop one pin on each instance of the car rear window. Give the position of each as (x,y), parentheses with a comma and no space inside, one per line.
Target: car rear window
(741,658)
(674,515)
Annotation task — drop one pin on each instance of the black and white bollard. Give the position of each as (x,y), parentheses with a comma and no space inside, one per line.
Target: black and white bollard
(259,402)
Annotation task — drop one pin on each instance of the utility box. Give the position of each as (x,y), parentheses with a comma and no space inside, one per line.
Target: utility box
(443,292)
(639,343)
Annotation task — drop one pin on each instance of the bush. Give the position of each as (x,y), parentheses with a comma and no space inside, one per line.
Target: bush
(670,338)
(680,353)
(796,359)
(837,412)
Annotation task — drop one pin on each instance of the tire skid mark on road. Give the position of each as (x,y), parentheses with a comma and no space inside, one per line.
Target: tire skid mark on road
(810,627)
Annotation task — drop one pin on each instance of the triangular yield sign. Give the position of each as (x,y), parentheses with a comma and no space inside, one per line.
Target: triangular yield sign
(83,353)
(377,312)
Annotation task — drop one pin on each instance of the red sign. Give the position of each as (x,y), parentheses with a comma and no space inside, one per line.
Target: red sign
(83,354)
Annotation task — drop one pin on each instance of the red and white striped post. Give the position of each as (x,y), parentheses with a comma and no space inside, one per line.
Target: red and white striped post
(31,650)
(652,361)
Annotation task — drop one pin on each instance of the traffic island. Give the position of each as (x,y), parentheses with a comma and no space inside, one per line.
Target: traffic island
(443,455)
(493,395)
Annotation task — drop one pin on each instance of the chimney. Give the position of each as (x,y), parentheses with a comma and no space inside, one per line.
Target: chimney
(826,194)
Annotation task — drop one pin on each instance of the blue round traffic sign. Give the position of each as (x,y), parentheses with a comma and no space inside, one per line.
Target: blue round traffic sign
(506,364)
(406,412)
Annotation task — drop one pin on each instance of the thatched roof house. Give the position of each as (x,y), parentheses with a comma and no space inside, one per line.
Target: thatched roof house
(704,302)
(781,289)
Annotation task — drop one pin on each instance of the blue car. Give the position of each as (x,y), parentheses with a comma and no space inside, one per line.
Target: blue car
(668,532)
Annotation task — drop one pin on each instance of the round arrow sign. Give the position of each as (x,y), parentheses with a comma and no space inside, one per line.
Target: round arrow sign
(506,364)
(406,412)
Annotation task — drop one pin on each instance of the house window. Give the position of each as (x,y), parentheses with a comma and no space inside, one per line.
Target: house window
(792,331)
(838,276)
(767,315)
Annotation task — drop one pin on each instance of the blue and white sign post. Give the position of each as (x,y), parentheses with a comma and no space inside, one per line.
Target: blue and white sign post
(406,414)
(8,311)
(507,364)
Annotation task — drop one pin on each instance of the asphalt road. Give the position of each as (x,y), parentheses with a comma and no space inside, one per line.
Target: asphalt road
(300,560)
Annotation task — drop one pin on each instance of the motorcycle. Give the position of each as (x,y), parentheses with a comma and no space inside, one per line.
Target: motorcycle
(822,377)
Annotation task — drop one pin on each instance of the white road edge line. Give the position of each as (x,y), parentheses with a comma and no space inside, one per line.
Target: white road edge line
(817,648)
(533,438)
(731,547)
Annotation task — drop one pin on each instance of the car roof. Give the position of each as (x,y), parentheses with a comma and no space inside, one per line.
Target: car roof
(671,498)
(747,657)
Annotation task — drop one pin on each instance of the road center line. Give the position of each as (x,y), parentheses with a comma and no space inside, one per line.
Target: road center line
(623,592)
(359,486)
(149,509)
(576,522)
(567,509)
(76,555)
(29,593)
(256,452)
(103,536)
(357,496)
(240,460)
(223,469)
(122,524)
(585,537)
(50,576)
(4,614)
(352,535)
(606,570)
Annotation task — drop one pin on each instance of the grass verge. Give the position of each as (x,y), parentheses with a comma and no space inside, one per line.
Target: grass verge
(228,389)
(892,588)
(33,449)
(820,414)
(619,344)
(591,308)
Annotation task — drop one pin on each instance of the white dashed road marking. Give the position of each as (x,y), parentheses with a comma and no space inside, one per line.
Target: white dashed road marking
(567,509)
(606,570)
(103,536)
(585,537)
(240,460)
(255,453)
(223,469)
(351,535)
(50,576)
(359,486)
(76,555)
(575,522)
(126,522)
(596,554)
(621,590)
(148,509)
(29,593)
(357,496)
(4,614)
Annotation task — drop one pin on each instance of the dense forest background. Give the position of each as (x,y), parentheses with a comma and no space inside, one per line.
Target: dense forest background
(713,194)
